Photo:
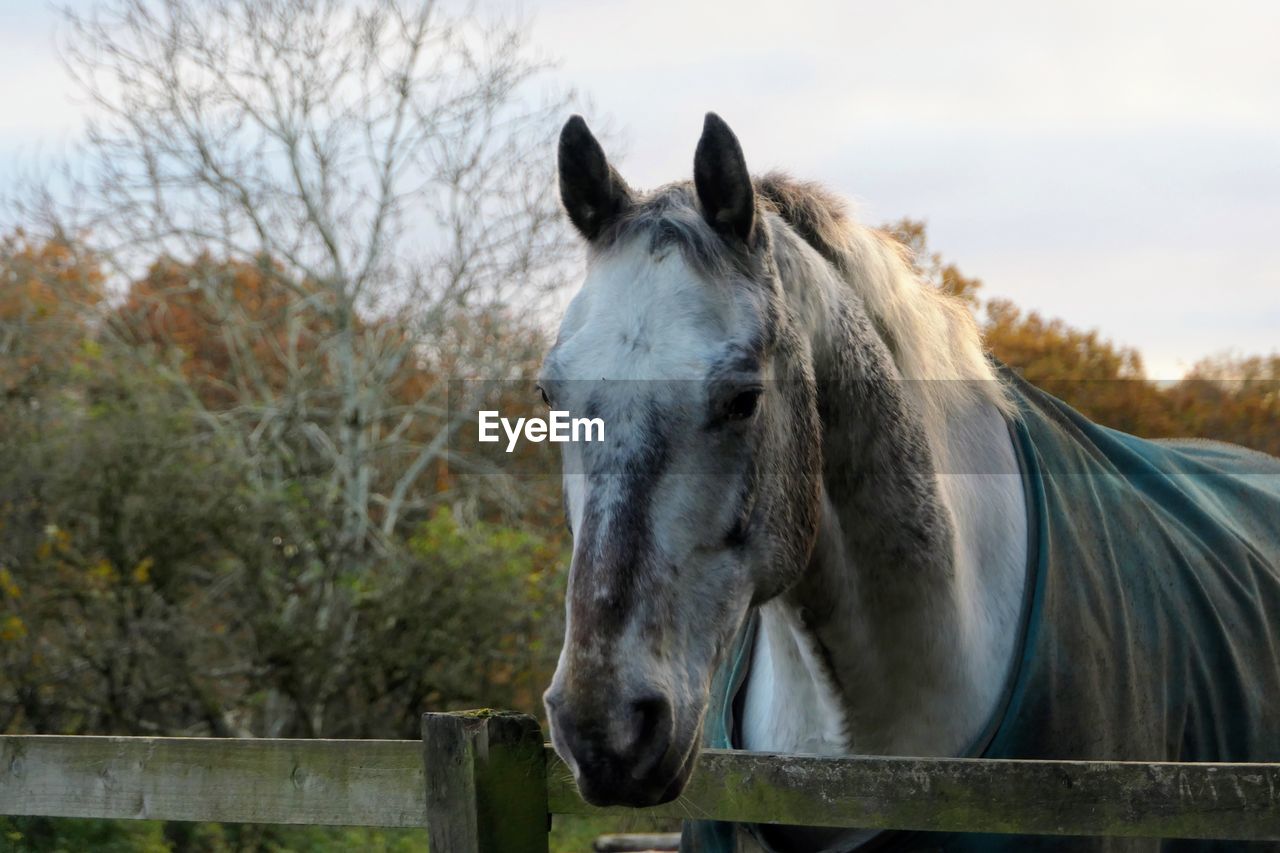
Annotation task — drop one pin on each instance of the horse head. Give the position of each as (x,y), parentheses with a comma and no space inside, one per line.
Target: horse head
(703,501)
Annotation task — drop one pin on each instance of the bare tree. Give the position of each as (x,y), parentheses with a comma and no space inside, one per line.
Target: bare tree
(387,163)
(352,200)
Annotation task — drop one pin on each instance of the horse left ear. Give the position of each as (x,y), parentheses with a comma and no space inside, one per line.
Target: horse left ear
(594,194)
(722,181)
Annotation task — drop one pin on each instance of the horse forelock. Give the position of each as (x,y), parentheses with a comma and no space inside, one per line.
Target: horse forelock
(670,216)
(931,334)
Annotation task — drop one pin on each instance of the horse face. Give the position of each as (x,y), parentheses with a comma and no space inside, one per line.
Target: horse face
(702,498)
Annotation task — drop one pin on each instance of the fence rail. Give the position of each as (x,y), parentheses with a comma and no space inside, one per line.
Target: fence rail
(490,784)
(326,782)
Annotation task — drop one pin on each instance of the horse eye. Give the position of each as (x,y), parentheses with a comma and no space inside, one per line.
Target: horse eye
(545,398)
(742,405)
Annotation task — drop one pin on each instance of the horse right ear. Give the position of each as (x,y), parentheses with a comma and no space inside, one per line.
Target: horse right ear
(592,191)
(720,176)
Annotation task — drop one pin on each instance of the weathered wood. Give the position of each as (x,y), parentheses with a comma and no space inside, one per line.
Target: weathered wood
(381,783)
(1225,801)
(326,782)
(485,783)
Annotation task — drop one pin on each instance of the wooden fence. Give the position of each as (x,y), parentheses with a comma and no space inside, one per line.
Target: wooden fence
(484,782)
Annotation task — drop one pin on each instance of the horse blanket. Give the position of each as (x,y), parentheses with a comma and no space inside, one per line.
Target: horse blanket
(1152,624)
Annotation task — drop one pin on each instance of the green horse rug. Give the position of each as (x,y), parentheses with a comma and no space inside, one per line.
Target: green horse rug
(1151,626)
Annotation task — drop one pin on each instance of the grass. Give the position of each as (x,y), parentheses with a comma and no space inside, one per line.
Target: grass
(569,834)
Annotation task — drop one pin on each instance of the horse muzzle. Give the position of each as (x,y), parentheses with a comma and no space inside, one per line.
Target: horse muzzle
(621,755)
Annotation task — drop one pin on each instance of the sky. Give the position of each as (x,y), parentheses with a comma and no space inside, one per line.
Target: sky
(1115,164)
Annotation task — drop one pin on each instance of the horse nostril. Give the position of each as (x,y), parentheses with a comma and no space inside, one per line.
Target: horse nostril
(651,724)
(647,716)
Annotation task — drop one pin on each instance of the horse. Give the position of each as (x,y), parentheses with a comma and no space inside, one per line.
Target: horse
(826,521)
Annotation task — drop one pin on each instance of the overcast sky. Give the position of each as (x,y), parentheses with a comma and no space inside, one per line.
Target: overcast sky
(1116,164)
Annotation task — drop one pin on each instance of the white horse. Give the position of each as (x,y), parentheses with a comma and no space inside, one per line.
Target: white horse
(801,436)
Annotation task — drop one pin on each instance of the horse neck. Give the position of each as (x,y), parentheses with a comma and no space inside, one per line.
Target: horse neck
(898,637)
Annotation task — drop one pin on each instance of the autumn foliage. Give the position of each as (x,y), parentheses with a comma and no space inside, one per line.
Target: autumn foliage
(124,510)
(231,324)
(154,579)
(1223,398)
(47,290)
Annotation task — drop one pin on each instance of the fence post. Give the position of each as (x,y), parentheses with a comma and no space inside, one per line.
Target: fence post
(486,781)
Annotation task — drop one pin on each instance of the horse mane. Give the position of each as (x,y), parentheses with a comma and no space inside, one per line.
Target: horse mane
(931,334)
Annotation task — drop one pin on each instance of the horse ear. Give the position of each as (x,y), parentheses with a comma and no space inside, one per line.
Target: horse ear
(592,191)
(723,183)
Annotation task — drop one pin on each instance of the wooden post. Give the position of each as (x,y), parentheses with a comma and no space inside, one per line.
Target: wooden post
(486,777)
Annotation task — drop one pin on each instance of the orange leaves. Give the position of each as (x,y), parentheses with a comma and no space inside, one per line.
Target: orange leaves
(1106,382)
(235,324)
(1053,350)
(45,291)
(43,279)
(1235,400)
(8,586)
(77,569)
(12,629)
(929,265)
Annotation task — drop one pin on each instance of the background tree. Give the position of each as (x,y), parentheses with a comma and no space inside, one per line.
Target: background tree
(1227,398)
(47,292)
(312,214)
(229,502)
(230,513)
(1105,381)
(1233,398)
(376,173)
(930,265)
